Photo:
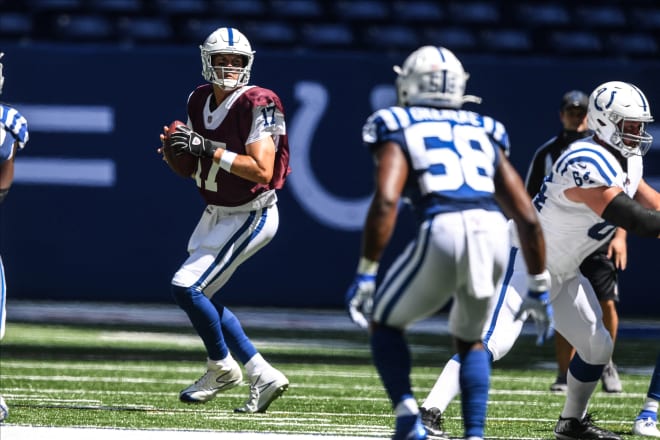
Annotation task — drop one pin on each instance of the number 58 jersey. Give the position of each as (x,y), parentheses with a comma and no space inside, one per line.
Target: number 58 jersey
(452,155)
(572,230)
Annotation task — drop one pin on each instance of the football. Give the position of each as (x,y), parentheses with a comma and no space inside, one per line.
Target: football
(185,164)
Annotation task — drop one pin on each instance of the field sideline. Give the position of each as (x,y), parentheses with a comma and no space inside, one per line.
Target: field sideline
(267,318)
(100,371)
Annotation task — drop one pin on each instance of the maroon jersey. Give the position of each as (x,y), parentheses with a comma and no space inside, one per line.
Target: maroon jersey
(250,113)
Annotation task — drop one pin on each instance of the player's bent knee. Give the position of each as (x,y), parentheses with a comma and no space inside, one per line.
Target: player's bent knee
(500,343)
(600,349)
(184,296)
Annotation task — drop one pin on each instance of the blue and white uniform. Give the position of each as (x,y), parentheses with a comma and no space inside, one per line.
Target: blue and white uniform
(572,231)
(13,129)
(462,242)
(13,135)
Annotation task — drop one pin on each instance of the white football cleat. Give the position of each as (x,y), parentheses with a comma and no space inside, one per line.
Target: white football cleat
(264,388)
(646,427)
(220,376)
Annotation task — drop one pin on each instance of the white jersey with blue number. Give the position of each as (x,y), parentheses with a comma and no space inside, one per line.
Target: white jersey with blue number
(452,153)
(572,230)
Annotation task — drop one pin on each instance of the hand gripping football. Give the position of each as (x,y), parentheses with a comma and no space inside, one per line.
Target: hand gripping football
(184,164)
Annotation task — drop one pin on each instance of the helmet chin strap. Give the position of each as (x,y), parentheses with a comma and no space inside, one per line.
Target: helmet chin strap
(224,86)
(471,98)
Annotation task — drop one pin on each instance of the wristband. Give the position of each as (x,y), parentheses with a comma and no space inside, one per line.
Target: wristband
(539,282)
(367,266)
(227,159)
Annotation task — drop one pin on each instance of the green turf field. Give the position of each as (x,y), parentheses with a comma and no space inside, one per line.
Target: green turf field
(127,376)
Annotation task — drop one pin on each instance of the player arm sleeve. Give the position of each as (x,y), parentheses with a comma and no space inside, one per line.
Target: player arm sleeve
(625,212)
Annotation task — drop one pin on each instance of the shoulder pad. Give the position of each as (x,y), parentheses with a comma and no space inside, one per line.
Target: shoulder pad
(589,167)
(382,122)
(261,97)
(497,133)
(200,92)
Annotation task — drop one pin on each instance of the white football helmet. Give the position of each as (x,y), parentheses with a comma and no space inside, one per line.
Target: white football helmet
(432,76)
(227,41)
(610,105)
(2,78)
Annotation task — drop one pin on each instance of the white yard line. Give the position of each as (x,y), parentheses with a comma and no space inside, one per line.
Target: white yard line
(11,432)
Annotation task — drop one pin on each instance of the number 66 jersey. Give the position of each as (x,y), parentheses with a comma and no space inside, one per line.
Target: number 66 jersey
(573,230)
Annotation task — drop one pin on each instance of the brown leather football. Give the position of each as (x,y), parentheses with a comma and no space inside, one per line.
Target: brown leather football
(184,164)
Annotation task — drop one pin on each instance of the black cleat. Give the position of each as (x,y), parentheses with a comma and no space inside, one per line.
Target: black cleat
(574,429)
(432,421)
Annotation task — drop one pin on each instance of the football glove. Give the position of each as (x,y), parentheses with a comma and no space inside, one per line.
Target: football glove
(13,122)
(537,306)
(359,298)
(184,140)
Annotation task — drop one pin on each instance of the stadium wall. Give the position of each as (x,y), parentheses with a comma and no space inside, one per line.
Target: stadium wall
(96,215)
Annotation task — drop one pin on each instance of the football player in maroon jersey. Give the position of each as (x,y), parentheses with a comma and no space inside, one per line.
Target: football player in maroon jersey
(238,133)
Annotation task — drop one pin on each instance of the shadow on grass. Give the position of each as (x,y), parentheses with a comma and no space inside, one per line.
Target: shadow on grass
(432,351)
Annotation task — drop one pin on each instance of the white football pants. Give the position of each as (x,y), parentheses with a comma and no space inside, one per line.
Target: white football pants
(460,255)
(223,239)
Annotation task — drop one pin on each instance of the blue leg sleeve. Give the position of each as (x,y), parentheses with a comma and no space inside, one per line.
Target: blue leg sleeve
(653,393)
(474,378)
(204,318)
(654,386)
(392,359)
(238,342)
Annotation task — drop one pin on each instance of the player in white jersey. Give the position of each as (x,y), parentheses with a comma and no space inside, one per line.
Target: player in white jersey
(594,186)
(13,136)
(448,164)
(601,267)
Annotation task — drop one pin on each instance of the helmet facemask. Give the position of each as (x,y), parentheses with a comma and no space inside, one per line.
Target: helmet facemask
(226,41)
(630,144)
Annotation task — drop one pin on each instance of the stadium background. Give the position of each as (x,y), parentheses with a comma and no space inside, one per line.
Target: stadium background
(95,215)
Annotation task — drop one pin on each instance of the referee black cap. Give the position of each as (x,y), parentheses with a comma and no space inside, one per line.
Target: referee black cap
(574,99)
